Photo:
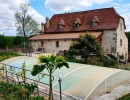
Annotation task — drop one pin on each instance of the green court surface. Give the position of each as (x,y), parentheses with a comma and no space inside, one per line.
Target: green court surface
(80,80)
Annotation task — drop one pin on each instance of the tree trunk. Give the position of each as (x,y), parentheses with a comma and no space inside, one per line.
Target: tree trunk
(86,59)
(50,89)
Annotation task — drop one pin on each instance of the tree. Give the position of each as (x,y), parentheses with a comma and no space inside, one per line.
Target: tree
(25,24)
(51,63)
(2,40)
(128,35)
(85,46)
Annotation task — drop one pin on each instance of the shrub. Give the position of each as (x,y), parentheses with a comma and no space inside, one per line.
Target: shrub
(94,61)
(16,92)
(6,55)
(68,57)
(38,98)
(102,61)
(121,57)
(77,61)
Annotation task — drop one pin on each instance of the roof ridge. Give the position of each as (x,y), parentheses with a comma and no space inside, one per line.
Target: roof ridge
(84,11)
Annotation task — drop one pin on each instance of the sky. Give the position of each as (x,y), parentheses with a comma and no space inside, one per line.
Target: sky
(40,9)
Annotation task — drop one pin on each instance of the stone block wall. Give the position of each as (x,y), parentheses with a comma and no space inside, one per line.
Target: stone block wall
(109,39)
(121,35)
(50,45)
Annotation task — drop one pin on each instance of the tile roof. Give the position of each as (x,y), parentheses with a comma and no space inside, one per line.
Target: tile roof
(78,20)
(62,36)
(108,19)
(62,22)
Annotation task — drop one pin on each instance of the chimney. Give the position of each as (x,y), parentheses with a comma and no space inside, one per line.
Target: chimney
(42,27)
(47,22)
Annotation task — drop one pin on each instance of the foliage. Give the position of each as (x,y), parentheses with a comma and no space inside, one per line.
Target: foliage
(26,26)
(95,61)
(69,57)
(77,61)
(38,98)
(2,75)
(2,40)
(102,61)
(126,97)
(12,91)
(128,35)
(6,55)
(85,46)
(24,71)
(51,63)
(121,57)
(16,92)
(11,41)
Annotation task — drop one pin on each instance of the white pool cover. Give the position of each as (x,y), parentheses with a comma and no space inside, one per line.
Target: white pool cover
(80,80)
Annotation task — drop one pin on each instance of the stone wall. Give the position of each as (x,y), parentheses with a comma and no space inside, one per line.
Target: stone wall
(109,41)
(121,35)
(35,45)
(50,45)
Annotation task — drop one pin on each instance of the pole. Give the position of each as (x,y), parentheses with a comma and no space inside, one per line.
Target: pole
(60,89)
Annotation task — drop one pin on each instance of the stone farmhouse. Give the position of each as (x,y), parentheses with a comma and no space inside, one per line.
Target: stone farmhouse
(62,29)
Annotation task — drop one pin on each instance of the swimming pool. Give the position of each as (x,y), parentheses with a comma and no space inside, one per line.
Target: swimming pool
(80,80)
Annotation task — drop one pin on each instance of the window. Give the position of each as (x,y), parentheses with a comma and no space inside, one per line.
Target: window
(94,24)
(120,42)
(57,43)
(60,26)
(113,50)
(76,25)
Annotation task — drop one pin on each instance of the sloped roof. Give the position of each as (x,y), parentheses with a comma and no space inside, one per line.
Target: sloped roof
(108,19)
(62,22)
(78,20)
(62,36)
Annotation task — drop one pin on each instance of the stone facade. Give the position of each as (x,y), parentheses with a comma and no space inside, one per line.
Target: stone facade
(50,45)
(121,36)
(111,41)
(109,32)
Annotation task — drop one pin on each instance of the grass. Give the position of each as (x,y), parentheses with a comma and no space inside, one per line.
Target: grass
(7,55)
(126,97)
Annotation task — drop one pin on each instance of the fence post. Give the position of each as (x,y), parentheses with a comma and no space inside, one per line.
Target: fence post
(6,74)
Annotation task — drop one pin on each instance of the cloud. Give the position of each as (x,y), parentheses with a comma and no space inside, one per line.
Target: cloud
(123,10)
(7,20)
(67,5)
(127,20)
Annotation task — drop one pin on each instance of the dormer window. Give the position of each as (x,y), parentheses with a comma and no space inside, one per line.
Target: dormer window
(61,24)
(95,21)
(76,25)
(77,22)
